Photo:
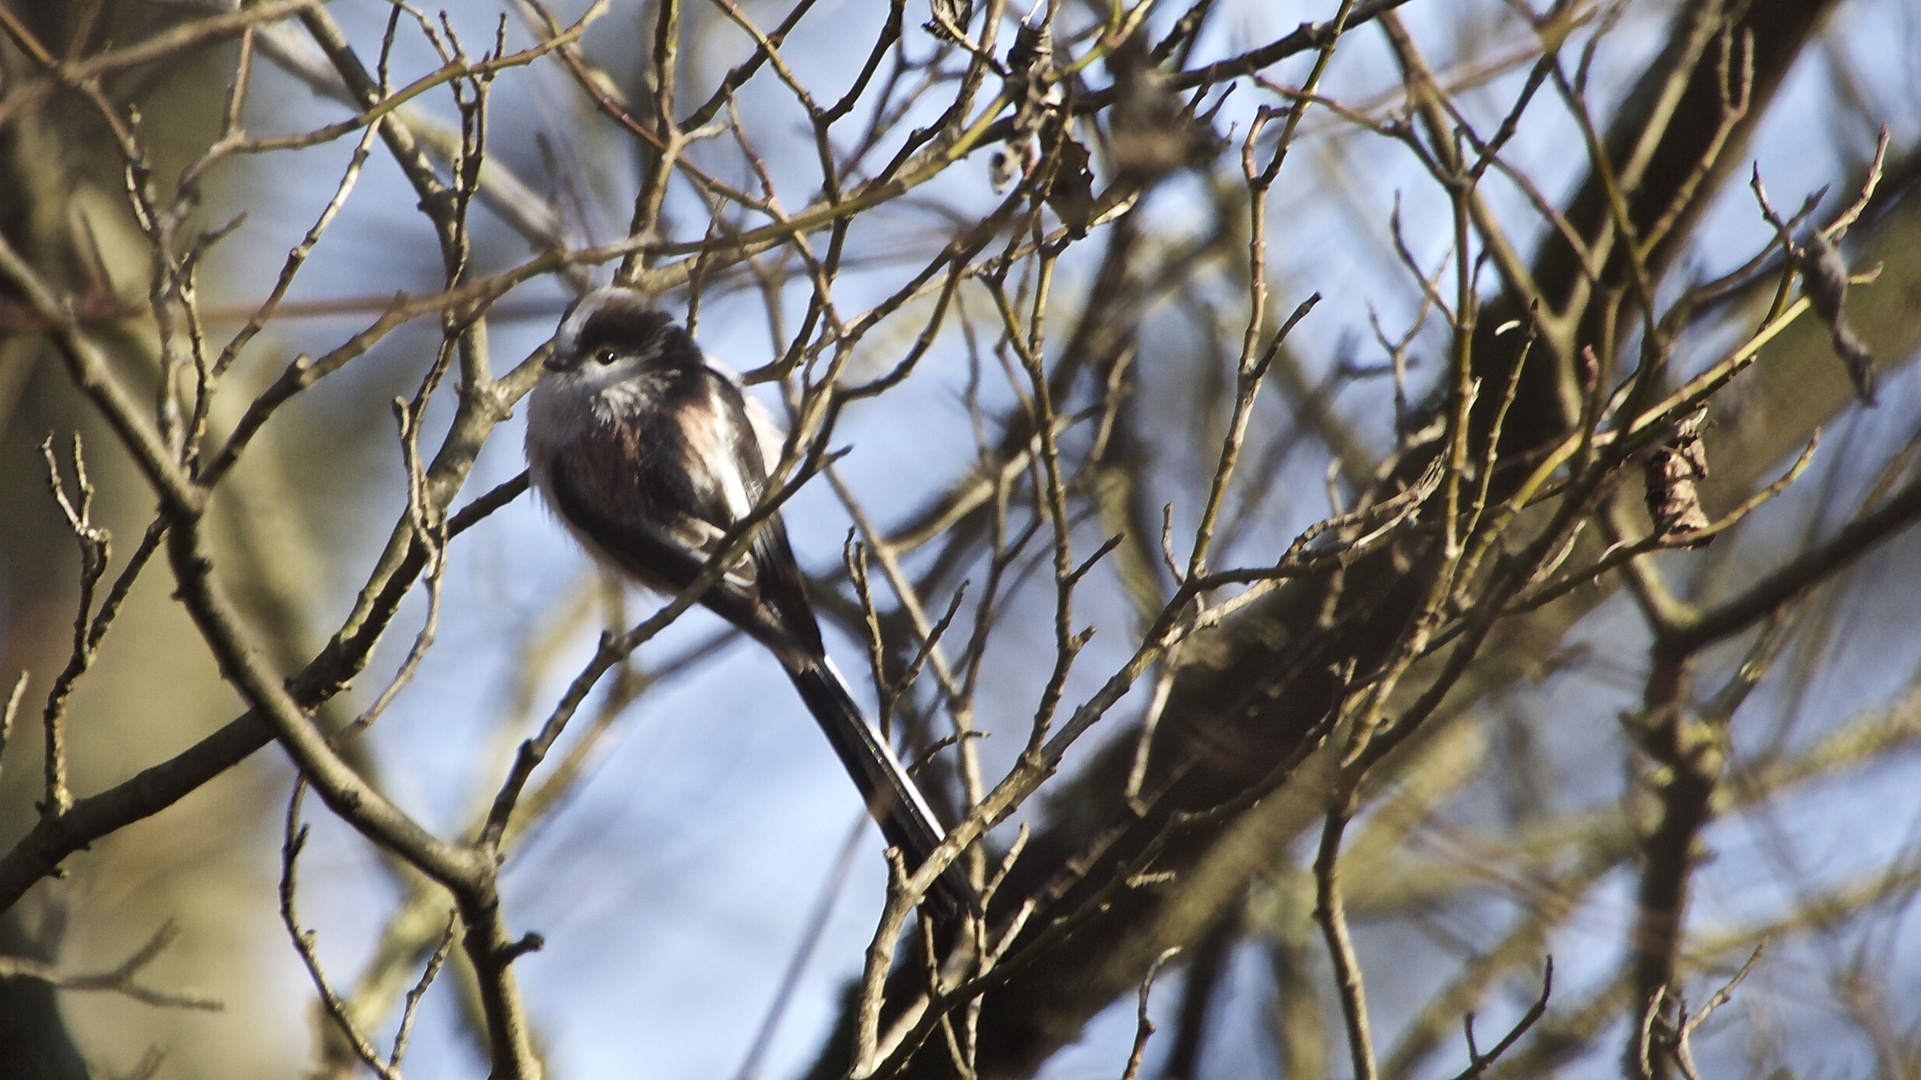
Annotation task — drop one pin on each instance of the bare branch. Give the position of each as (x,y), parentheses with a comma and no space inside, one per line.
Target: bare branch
(118,980)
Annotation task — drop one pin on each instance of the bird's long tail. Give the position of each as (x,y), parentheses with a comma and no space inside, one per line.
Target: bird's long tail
(897,805)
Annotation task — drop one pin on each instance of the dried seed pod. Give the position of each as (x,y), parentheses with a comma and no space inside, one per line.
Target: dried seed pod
(955,13)
(1673,474)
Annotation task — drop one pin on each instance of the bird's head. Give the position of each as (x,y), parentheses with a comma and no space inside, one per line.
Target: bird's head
(609,336)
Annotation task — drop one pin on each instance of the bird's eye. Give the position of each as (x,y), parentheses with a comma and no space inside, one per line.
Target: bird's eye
(606,356)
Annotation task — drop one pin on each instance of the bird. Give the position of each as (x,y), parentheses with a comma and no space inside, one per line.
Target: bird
(648,454)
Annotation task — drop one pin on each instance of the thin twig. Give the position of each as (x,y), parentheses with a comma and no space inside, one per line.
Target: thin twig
(117,980)
(1143,1027)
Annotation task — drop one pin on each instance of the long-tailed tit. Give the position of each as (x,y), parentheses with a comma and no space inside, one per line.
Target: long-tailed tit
(648,455)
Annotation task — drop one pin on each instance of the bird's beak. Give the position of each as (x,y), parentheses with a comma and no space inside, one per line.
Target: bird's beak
(556,361)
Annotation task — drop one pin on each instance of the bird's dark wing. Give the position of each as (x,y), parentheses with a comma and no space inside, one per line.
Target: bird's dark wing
(663,556)
(717,434)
